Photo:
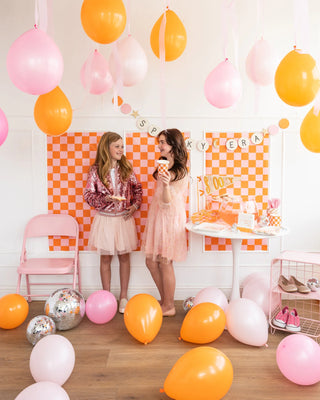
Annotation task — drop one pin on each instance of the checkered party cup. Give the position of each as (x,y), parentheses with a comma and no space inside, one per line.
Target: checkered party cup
(274,220)
(162,166)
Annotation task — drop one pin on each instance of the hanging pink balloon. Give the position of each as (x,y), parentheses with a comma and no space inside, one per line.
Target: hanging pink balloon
(95,75)
(260,63)
(3,127)
(130,59)
(34,62)
(223,86)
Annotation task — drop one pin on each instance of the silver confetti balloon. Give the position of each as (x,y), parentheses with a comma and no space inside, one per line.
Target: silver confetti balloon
(66,307)
(40,327)
(313,284)
(188,303)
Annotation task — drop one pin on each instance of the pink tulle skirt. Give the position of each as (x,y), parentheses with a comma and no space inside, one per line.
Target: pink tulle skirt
(113,235)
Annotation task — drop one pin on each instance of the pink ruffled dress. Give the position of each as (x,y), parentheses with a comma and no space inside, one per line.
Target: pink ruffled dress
(165,233)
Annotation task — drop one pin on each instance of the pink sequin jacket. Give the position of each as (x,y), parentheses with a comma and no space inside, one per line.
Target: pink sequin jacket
(95,192)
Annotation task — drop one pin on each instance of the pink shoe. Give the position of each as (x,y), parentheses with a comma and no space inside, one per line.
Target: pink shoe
(281,318)
(293,323)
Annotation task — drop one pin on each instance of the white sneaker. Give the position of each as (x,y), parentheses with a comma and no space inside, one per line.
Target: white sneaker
(122,305)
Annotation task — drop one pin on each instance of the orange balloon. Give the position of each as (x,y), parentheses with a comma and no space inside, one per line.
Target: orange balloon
(53,112)
(13,311)
(297,79)
(143,317)
(204,323)
(310,132)
(175,39)
(203,373)
(103,21)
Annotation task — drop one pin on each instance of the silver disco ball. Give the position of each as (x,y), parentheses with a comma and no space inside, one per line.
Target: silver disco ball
(40,327)
(66,307)
(188,303)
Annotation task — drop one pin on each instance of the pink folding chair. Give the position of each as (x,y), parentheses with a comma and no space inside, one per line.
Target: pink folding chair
(50,225)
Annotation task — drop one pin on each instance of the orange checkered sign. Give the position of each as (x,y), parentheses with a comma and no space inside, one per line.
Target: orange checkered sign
(249,167)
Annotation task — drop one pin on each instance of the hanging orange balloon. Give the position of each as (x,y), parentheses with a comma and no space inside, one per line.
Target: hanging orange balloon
(310,131)
(143,317)
(175,39)
(103,21)
(13,311)
(202,373)
(297,79)
(53,112)
(204,323)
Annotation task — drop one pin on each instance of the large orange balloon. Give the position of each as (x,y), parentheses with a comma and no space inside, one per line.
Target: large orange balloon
(203,373)
(310,131)
(175,39)
(297,79)
(53,112)
(143,317)
(103,21)
(204,323)
(13,311)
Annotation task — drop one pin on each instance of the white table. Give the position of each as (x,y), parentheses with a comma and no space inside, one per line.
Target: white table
(236,240)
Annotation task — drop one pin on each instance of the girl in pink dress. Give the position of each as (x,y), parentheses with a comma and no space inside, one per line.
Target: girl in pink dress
(114,191)
(165,234)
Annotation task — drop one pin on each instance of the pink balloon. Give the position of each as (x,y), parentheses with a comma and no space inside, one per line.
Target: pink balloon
(298,358)
(34,62)
(223,86)
(43,390)
(101,307)
(254,276)
(128,61)
(3,127)
(246,322)
(260,63)
(211,295)
(52,359)
(258,290)
(95,74)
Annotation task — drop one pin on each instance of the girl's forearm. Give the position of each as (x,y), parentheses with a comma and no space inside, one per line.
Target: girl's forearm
(166,195)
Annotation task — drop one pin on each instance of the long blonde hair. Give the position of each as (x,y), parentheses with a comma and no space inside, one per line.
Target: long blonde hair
(103,158)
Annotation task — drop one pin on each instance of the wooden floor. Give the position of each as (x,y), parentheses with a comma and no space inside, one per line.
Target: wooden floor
(112,365)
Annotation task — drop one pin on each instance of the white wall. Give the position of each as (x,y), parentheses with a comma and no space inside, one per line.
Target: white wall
(293,169)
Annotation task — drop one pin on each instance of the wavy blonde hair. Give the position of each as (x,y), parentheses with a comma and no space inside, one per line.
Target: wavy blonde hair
(103,158)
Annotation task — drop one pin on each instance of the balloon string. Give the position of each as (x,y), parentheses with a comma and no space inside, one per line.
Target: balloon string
(162,54)
(41,14)
(128,18)
(118,84)
(301,24)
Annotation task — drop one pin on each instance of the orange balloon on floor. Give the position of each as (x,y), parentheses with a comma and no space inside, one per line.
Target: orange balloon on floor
(53,112)
(13,310)
(297,79)
(103,21)
(143,317)
(203,373)
(310,132)
(175,39)
(204,323)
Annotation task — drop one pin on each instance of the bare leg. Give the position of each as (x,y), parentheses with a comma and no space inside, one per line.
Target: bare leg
(105,271)
(169,286)
(124,262)
(154,269)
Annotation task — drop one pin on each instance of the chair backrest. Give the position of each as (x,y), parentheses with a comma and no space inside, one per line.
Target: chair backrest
(51,225)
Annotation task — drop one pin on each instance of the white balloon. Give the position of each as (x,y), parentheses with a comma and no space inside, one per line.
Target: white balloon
(247,322)
(128,61)
(43,390)
(211,295)
(260,63)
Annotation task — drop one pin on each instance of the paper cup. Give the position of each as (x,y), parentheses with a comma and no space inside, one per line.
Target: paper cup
(162,166)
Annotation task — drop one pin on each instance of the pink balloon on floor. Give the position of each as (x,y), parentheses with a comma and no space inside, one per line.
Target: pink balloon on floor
(223,86)
(298,358)
(101,307)
(211,295)
(34,62)
(43,390)
(3,127)
(52,359)
(258,290)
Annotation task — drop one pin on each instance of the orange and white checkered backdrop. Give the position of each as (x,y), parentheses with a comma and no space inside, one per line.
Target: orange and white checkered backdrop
(251,164)
(68,160)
